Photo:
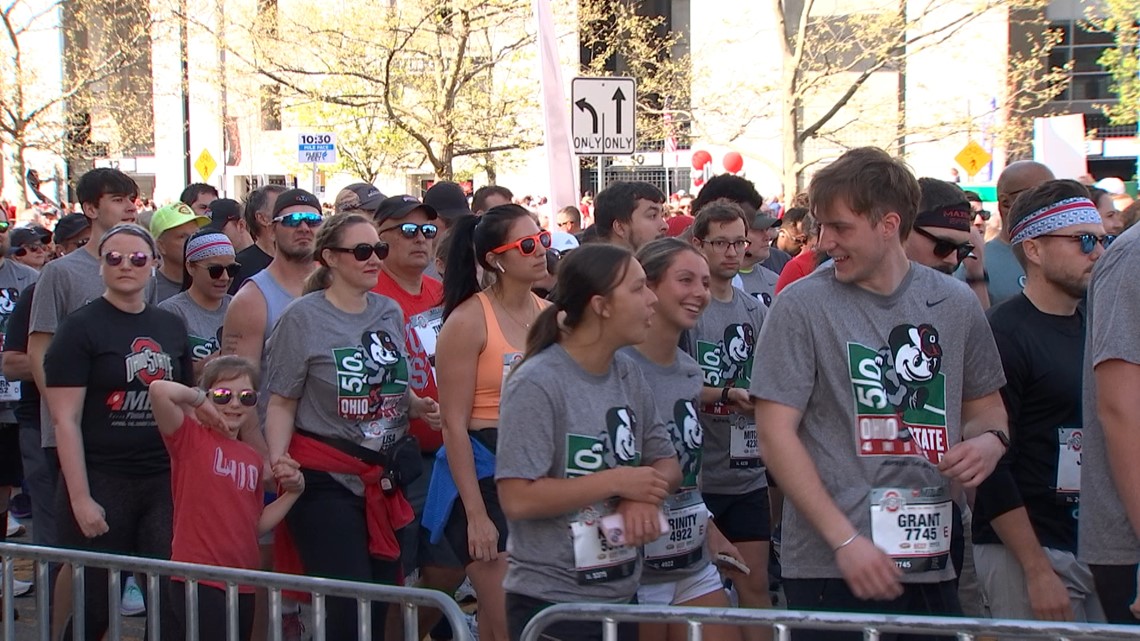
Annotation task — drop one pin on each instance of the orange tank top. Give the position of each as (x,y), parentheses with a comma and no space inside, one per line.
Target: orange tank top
(495,362)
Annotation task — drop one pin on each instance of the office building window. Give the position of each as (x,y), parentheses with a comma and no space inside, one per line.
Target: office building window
(1082,47)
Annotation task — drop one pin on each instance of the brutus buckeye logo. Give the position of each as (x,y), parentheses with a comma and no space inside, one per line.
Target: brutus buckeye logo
(147,362)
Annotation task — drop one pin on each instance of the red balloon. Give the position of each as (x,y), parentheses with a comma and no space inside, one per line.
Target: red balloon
(700,159)
(733,162)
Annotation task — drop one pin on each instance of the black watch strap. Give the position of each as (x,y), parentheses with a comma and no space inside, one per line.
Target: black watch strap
(1001,436)
(724,396)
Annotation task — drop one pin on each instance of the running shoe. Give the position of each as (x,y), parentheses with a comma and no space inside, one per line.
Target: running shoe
(21,506)
(15,528)
(19,588)
(132,604)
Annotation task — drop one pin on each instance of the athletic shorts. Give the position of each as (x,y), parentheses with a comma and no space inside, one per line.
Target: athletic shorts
(11,465)
(683,590)
(742,517)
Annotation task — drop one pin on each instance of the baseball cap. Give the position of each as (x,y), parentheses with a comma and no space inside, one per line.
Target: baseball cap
(173,215)
(398,208)
(21,236)
(222,211)
(358,196)
(448,200)
(69,227)
(763,221)
(563,241)
(295,198)
(678,225)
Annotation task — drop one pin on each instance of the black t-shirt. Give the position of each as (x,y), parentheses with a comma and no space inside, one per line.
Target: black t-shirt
(1042,355)
(252,260)
(16,340)
(116,355)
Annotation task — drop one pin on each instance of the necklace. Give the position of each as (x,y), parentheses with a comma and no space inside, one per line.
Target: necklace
(512,316)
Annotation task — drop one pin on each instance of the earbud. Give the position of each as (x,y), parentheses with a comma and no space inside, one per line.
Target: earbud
(153,272)
(500,267)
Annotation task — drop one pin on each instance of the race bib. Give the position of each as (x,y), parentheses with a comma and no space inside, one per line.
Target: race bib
(1069,464)
(380,434)
(684,544)
(9,390)
(744,450)
(595,559)
(913,527)
(509,361)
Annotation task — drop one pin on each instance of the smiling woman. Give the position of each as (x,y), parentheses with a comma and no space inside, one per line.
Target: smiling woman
(202,304)
(116,492)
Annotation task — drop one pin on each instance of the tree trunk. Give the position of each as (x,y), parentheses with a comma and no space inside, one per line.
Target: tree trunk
(793,148)
(489,168)
(21,170)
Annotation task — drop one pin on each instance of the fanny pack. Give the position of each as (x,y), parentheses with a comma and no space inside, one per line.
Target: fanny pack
(401,461)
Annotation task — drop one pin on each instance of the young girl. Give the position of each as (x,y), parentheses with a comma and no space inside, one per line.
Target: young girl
(217,486)
(580,440)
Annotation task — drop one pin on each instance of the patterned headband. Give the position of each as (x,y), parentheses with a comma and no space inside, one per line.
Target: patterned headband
(205,246)
(1071,211)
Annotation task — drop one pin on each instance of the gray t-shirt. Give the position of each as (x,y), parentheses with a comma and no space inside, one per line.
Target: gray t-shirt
(1104,536)
(676,392)
(65,285)
(349,372)
(167,288)
(204,326)
(759,283)
(559,421)
(14,279)
(880,381)
(723,344)
(1007,276)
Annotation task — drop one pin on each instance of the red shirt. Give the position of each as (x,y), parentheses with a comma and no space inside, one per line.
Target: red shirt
(423,316)
(801,265)
(216,483)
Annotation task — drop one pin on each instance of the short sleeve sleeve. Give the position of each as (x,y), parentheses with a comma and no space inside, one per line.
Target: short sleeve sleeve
(784,368)
(16,334)
(982,362)
(1115,308)
(526,431)
(69,357)
(46,307)
(286,365)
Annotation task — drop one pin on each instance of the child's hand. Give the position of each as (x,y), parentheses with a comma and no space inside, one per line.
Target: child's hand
(209,415)
(427,409)
(287,473)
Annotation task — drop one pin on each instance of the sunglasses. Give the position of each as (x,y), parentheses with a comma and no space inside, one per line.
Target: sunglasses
(114,259)
(216,271)
(362,251)
(23,250)
(985,214)
(409,230)
(293,221)
(526,245)
(943,247)
(5,226)
(223,396)
(1088,241)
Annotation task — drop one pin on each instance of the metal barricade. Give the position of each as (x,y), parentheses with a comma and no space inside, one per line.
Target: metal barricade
(783,622)
(365,594)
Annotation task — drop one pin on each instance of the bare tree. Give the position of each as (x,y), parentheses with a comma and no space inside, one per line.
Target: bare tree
(106,48)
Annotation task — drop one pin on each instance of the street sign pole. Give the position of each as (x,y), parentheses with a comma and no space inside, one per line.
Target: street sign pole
(601,174)
(314,190)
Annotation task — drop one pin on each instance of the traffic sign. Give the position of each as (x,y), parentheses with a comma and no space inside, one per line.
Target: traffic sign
(973,158)
(205,165)
(316,149)
(603,116)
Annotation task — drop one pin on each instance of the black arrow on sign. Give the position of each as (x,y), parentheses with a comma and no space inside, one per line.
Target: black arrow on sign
(618,98)
(585,106)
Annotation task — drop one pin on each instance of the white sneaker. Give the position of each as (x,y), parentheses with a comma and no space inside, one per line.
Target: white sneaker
(19,588)
(15,528)
(132,604)
(466,592)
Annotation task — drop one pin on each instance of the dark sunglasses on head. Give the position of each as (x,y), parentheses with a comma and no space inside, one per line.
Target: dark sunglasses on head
(114,259)
(223,396)
(292,221)
(34,247)
(216,271)
(409,230)
(943,247)
(1088,241)
(527,245)
(362,251)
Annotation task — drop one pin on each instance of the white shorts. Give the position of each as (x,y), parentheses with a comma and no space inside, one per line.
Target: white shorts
(683,590)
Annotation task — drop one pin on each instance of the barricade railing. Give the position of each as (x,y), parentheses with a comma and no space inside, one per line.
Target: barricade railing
(784,622)
(410,600)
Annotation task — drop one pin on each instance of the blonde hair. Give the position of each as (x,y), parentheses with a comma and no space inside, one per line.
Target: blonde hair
(330,234)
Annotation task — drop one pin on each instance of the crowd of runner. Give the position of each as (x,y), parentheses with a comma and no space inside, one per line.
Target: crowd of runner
(855,402)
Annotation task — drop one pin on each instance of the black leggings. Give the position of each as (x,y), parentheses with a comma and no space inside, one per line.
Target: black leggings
(1116,586)
(139,516)
(330,532)
(212,611)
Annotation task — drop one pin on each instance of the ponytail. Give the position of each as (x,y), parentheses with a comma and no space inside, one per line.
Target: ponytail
(320,279)
(544,332)
(459,281)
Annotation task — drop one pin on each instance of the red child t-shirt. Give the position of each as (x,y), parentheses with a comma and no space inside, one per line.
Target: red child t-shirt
(423,316)
(216,483)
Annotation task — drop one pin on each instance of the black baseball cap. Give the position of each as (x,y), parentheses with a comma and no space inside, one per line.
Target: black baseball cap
(69,227)
(398,208)
(359,196)
(21,236)
(448,200)
(295,198)
(222,211)
(762,221)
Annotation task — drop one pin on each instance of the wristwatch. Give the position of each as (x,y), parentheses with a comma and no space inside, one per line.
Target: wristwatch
(724,396)
(1001,436)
